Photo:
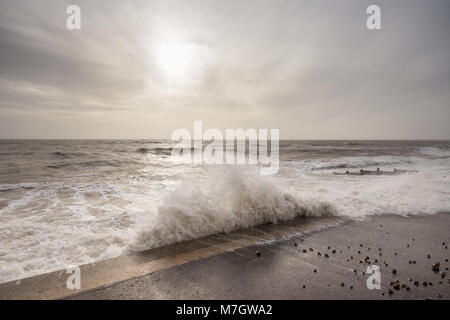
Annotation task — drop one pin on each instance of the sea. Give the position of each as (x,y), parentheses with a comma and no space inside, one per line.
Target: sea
(71,202)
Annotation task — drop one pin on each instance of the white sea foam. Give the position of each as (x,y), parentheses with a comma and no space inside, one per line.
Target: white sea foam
(436,152)
(358,162)
(426,192)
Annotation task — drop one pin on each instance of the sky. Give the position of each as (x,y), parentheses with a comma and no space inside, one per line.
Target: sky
(141,69)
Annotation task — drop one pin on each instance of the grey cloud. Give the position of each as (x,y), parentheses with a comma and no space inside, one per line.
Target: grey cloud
(310,68)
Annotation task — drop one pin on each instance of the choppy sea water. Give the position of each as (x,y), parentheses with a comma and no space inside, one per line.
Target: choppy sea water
(74,202)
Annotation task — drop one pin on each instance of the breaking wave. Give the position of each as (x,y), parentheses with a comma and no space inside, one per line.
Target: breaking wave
(223,200)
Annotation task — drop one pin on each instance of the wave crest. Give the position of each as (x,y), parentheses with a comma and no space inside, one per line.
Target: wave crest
(224,200)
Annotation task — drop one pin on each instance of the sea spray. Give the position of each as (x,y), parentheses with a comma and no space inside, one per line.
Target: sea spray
(224,199)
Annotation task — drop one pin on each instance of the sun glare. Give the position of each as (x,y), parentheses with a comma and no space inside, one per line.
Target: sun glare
(175,58)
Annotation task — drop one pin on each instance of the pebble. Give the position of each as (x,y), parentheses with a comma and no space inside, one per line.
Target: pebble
(258,254)
(394,271)
(390,291)
(315,271)
(436,266)
(428,256)
(333,251)
(326,255)
(425,283)
(416,283)
(319,254)
(295,244)
(311,249)
(304,251)
(342,284)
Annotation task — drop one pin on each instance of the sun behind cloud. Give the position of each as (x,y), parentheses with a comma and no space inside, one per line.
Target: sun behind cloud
(181,62)
(175,58)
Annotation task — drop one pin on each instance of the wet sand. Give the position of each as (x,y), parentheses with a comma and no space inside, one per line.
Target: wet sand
(233,267)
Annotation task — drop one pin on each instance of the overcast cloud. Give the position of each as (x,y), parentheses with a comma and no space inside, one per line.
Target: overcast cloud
(310,68)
